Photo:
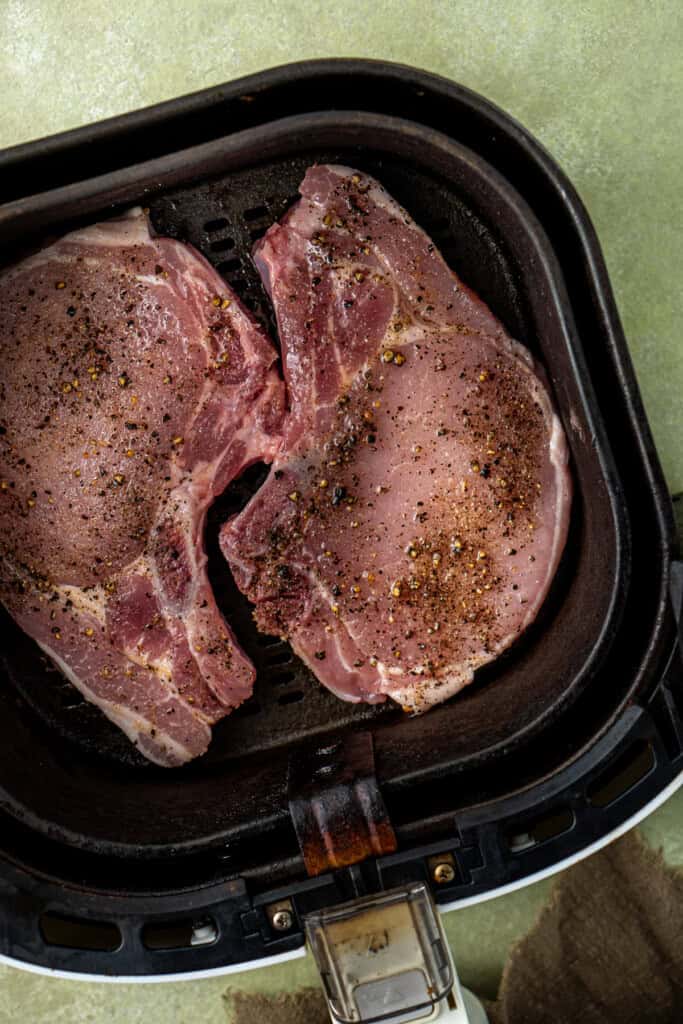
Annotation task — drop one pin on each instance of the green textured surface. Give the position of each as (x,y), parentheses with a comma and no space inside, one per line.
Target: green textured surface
(598,82)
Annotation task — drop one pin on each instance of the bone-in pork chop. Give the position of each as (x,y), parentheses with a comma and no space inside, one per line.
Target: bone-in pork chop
(415,515)
(134,388)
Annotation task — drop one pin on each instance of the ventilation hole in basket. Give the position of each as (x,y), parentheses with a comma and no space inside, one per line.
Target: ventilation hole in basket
(270,641)
(180,934)
(450,254)
(222,245)
(229,267)
(255,305)
(622,775)
(216,225)
(541,829)
(256,213)
(250,707)
(291,698)
(437,228)
(69,697)
(282,657)
(257,233)
(282,678)
(75,933)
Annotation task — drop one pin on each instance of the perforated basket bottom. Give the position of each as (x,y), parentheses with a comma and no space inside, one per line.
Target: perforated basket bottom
(222,219)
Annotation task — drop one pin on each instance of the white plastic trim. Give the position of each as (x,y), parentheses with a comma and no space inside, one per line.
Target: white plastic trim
(147,979)
(294,954)
(605,840)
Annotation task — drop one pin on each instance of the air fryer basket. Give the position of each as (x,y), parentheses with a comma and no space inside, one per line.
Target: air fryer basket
(505,776)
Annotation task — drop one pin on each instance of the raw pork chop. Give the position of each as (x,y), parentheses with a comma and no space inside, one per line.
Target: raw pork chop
(415,516)
(134,388)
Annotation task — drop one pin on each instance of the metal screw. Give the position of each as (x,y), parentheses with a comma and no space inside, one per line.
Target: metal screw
(282,920)
(444,872)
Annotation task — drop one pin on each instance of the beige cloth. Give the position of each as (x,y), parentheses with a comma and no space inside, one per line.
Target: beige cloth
(307,1006)
(608,947)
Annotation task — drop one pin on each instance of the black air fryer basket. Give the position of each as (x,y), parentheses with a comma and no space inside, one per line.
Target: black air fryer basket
(111,866)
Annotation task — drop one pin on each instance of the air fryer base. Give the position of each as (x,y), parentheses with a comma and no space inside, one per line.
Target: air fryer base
(522,807)
(300,951)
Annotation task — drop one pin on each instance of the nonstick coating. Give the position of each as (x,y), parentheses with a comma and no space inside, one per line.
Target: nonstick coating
(88,832)
(490,238)
(223,219)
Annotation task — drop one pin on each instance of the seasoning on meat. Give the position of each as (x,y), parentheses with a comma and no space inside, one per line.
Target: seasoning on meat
(459,493)
(108,468)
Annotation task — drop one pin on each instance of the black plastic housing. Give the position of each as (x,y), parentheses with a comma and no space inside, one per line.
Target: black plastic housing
(505,776)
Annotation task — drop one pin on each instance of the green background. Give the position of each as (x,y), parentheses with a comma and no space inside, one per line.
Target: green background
(599,83)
